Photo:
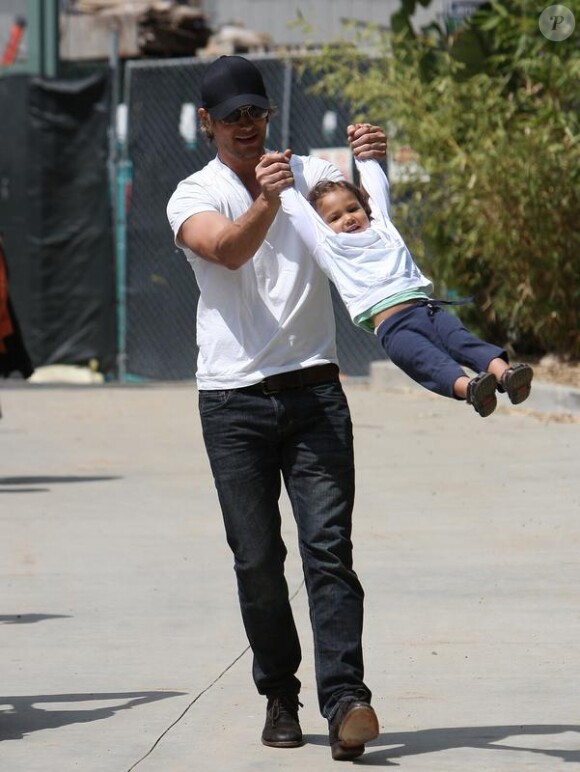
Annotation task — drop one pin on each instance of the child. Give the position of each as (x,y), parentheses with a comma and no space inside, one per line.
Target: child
(360,250)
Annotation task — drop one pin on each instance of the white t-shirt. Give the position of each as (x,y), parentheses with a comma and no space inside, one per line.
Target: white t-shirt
(368,266)
(272,315)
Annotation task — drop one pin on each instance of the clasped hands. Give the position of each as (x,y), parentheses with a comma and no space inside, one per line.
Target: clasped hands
(274,174)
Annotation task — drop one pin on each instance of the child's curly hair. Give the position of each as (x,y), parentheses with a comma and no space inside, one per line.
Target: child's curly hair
(324,187)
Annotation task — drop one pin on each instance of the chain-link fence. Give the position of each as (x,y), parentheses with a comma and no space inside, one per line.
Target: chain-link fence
(158,292)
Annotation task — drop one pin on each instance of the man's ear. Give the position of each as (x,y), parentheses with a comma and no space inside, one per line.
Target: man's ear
(206,123)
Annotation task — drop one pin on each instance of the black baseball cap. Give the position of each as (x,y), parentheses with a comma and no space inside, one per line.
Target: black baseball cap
(229,83)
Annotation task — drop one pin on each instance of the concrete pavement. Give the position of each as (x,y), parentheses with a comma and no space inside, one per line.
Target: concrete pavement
(121,643)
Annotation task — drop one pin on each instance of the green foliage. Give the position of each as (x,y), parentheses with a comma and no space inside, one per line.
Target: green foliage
(498,134)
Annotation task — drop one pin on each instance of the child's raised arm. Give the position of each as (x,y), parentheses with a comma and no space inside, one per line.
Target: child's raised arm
(375,182)
(304,218)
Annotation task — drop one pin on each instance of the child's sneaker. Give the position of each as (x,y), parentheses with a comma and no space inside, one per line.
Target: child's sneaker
(517,383)
(481,393)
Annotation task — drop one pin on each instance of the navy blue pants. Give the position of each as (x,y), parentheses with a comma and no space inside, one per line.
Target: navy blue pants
(430,345)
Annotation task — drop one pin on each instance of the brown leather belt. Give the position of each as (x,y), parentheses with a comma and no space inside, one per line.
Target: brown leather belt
(295,379)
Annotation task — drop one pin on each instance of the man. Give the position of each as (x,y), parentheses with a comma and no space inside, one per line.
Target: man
(272,406)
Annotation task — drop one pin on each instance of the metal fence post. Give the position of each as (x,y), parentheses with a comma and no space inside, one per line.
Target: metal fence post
(120,176)
(124,175)
(286,101)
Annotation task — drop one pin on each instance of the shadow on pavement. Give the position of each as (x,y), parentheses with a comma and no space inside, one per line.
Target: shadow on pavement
(13,483)
(48,479)
(24,490)
(28,619)
(479,737)
(21,715)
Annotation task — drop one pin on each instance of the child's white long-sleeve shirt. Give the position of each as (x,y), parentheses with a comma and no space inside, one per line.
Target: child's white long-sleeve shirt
(366,267)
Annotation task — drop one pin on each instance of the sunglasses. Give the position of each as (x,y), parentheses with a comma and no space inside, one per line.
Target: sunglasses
(251,111)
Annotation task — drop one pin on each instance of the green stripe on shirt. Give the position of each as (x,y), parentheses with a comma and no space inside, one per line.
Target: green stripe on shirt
(365,320)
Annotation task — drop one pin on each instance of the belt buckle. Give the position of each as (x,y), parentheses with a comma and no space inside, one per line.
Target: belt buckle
(267,391)
(284,381)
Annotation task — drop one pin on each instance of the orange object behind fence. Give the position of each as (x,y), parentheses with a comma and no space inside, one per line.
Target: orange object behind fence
(13,44)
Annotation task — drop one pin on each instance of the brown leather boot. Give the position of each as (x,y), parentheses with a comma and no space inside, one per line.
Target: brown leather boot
(282,728)
(353,724)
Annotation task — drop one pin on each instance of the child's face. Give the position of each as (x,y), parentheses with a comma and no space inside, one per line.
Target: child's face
(342,211)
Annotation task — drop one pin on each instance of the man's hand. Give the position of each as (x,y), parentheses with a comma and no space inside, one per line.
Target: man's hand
(274,175)
(367,141)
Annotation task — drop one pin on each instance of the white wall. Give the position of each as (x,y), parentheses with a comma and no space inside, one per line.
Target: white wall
(274,16)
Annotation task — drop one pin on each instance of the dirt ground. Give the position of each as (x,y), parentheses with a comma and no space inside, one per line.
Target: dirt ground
(550,369)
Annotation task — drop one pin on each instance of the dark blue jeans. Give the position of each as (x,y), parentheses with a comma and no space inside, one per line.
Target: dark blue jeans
(303,436)
(429,345)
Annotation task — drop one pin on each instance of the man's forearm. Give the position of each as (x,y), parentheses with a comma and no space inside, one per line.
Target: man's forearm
(240,241)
